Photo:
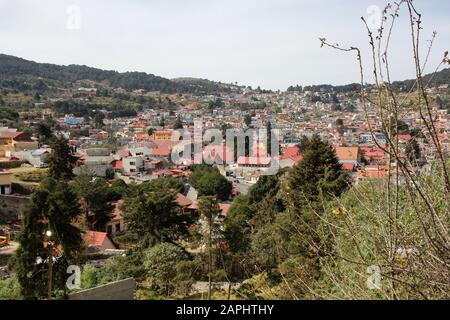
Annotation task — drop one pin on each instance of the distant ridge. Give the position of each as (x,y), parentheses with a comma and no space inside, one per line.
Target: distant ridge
(13,68)
(18,73)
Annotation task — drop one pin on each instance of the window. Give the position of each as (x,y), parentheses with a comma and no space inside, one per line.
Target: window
(117,227)
(109,229)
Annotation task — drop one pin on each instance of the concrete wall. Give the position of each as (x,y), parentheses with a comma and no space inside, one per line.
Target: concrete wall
(11,207)
(120,290)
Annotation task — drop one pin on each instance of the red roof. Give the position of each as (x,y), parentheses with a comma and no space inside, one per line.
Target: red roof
(117,164)
(348,166)
(94,238)
(291,152)
(161,151)
(183,201)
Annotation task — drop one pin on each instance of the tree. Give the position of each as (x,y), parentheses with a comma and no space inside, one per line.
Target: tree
(53,207)
(319,174)
(44,132)
(161,265)
(118,189)
(237,227)
(178,124)
(98,119)
(413,151)
(61,161)
(209,182)
(318,178)
(209,209)
(95,196)
(248,120)
(154,216)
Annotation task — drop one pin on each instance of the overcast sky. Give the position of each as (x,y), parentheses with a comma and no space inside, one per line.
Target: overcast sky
(267,43)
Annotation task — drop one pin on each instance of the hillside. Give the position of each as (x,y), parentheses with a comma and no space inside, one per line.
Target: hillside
(440,78)
(18,73)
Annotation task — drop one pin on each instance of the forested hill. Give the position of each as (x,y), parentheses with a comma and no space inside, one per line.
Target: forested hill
(440,78)
(15,69)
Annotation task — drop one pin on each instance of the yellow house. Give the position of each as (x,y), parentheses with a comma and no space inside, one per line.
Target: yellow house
(12,140)
(162,135)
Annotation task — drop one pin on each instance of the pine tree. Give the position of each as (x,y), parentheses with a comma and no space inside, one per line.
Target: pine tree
(209,209)
(61,160)
(53,207)
(316,179)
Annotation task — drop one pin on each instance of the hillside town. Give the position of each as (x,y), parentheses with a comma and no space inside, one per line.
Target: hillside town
(125,185)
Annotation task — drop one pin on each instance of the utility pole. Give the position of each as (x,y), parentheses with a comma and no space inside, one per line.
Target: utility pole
(50,265)
(210,257)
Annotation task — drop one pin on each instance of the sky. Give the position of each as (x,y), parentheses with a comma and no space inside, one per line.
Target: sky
(267,43)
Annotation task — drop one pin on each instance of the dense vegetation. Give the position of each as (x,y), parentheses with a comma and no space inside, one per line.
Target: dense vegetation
(14,70)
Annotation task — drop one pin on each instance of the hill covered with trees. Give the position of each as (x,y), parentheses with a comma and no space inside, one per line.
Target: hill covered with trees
(16,73)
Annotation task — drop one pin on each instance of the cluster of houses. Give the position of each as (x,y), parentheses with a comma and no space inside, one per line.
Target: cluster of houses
(144,145)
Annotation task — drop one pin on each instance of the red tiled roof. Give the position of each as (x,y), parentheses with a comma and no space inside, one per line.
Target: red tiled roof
(348,166)
(347,153)
(94,238)
(183,201)
(291,152)
(117,164)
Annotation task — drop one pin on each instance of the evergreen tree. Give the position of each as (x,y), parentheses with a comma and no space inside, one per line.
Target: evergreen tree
(154,216)
(61,160)
(95,196)
(44,132)
(209,209)
(413,151)
(178,124)
(53,207)
(314,181)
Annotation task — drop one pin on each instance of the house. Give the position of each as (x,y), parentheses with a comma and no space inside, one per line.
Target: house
(133,165)
(162,135)
(5,183)
(98,241)
(117,222)
(349,155)
(12,140)
(183,202)
(254,162)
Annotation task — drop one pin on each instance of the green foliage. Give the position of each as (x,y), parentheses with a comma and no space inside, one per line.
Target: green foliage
(209,182)
(95,195)
(10,289)
(115,269)
(118,189)
(44,132)
(237,227)
(153,214)
(53,207)
(12,67)
(318,175)
(61,160)
(161,265)
(178,124)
